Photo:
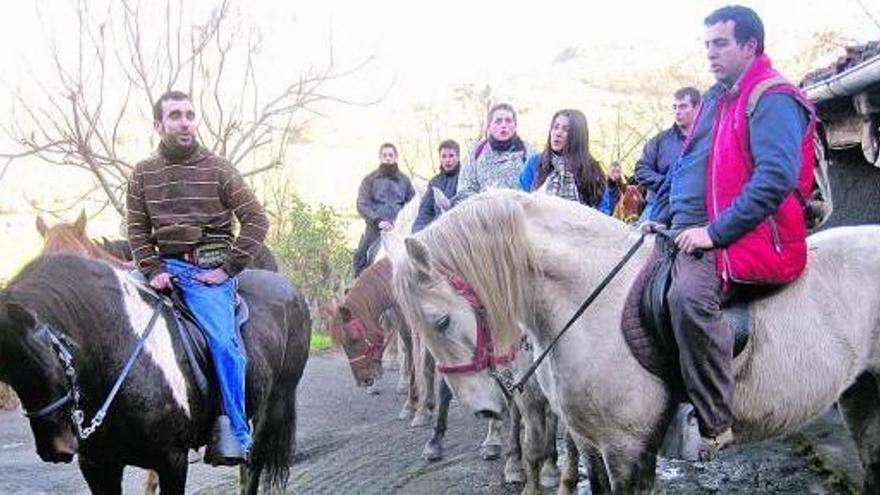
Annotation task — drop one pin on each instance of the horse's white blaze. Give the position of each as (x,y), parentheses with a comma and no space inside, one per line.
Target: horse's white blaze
(158,345)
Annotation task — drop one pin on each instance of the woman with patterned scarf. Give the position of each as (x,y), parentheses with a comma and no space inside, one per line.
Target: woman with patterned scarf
(497,160)
(566,168)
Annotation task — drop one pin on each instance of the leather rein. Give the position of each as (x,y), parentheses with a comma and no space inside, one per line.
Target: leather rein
(62,345)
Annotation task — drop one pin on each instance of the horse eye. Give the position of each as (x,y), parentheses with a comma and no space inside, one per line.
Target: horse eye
(442,324)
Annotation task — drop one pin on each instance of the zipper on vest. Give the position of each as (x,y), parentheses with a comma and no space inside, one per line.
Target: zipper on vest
(774,232)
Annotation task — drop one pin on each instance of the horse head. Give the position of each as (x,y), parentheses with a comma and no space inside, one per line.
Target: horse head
(355,323)
(72,238)
(32,368)
(449,324)
(363,341)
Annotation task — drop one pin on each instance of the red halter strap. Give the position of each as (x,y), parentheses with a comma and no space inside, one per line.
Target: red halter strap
(374,349)
(484,353)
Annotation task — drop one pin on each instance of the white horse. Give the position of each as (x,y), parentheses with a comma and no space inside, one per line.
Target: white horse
(533,258)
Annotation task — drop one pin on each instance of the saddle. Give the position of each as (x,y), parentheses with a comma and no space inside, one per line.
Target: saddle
(191,339)
(646,323)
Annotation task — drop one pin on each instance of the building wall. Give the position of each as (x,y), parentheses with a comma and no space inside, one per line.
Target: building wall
(855,189)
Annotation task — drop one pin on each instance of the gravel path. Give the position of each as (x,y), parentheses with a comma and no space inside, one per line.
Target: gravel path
(349,442)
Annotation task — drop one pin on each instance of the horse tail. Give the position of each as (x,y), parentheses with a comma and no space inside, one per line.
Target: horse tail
(275,434)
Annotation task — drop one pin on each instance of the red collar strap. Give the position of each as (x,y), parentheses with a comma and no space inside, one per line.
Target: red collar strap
(484,353)
(374,349)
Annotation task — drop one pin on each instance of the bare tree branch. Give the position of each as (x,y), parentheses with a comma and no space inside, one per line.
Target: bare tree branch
(104,82)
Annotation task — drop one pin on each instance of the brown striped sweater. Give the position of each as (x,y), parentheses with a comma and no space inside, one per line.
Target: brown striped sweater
(200,194)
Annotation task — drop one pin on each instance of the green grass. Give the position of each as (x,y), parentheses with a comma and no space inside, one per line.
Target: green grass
(320,341)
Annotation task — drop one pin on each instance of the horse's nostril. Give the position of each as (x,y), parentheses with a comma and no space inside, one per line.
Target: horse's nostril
(368,382)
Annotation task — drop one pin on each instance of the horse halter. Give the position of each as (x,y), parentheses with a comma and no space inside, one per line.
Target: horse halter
(374,348)
(484,352)
(65,357)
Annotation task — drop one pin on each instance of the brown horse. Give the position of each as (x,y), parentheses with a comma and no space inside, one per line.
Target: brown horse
(72,238)
(357,327)
(630,205)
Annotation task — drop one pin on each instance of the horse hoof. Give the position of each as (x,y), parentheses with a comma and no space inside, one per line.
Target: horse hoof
(549,476)
(513,472)
(406,413)
(402,388)
(490,452)
(194,456)
(421,418)
(432,452)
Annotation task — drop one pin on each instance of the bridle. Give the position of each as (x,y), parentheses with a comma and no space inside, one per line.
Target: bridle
(375,347)
(484,352)
(62,345)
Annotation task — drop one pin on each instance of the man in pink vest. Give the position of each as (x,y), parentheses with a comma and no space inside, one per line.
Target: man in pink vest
(735,194)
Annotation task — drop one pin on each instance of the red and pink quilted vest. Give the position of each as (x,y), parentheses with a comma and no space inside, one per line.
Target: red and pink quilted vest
(775,252)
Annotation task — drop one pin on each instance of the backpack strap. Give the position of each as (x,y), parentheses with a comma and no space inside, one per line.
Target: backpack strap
(759,90)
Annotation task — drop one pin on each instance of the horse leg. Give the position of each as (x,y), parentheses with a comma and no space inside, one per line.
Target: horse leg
(632,467)
(249,479)
(599,481)
(172,473)
(532,417)
(569,480)
(433,450)
(549,470)
(151,483)
(403,365)
(103,478)
(424,383)
(860,405)
(491,447)
(513,465)
(412,393)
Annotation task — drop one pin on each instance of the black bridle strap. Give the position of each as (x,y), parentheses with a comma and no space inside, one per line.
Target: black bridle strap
(52,407)
(519,383)
(139,345)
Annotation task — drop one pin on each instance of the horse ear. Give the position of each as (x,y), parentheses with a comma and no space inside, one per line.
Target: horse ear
(441,200)
(19,315)
(80,224)
(42,228)
(420,257)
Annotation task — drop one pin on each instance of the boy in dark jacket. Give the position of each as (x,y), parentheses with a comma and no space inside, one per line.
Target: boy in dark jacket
(446,182)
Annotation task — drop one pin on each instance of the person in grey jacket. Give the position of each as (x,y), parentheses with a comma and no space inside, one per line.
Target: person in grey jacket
(381,196)
(661,151)
(446,182)
(497,160)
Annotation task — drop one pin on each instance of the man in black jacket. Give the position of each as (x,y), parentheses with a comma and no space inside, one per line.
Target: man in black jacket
(446,182)
(381,196)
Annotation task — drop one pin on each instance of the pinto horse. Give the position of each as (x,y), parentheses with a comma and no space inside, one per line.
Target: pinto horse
(68,325)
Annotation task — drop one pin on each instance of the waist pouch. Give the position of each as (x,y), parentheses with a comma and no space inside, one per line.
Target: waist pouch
(210,255)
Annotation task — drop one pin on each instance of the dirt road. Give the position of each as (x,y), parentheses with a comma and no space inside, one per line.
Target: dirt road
(349,442)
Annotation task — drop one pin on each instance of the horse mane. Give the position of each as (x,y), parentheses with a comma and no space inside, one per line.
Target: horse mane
(71,238)
(370,296)
(71,293)
(483,240)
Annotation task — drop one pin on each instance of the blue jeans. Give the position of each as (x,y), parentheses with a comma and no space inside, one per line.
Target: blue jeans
(214,308)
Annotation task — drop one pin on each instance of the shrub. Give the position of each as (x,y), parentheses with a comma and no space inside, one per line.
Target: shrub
(311,245)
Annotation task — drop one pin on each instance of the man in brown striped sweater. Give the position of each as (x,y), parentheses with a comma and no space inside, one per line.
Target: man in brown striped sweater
(180,204)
